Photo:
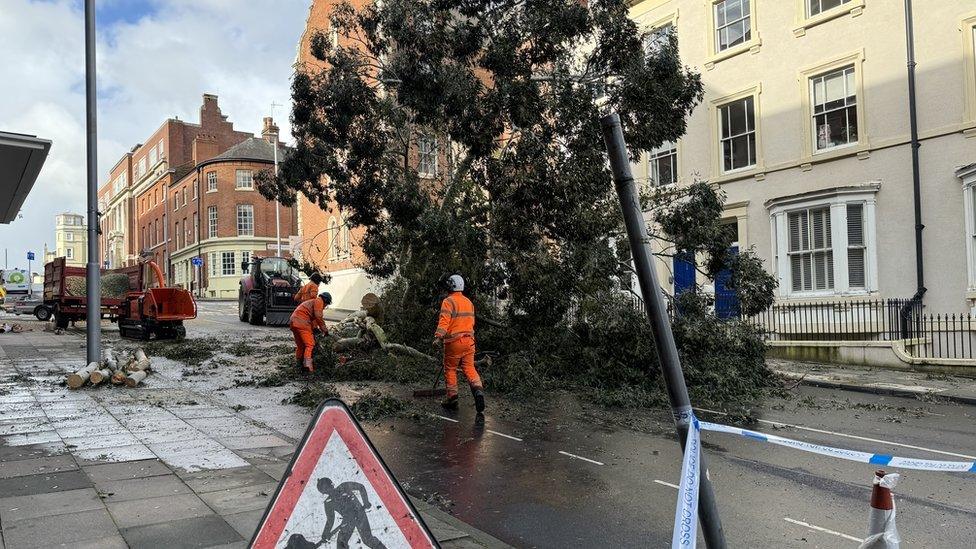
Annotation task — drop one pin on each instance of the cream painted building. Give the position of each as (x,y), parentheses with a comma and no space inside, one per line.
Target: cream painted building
(805,126)
(70,239)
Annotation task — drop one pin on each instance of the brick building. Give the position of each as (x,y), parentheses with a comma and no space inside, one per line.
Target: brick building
(216,213)
(152,204)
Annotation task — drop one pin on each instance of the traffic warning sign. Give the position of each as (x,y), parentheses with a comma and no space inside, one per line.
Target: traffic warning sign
(338,493)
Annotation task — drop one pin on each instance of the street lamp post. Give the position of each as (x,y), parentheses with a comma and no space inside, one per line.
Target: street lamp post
(94,282)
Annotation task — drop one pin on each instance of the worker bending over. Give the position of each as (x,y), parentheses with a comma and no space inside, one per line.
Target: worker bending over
(455,330)
(310,290)
(307,318)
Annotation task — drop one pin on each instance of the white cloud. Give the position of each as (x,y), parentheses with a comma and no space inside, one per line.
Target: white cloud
(154,68)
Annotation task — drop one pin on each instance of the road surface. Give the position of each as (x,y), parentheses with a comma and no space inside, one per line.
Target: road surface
(563,474)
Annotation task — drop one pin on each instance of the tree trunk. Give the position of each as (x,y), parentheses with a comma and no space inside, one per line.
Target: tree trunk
(118,378)
(135,378)
(99,376)
(79,378)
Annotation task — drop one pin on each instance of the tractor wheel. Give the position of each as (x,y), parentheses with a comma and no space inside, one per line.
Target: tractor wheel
(42,313)
(179,333)
(241,307)
(255,310)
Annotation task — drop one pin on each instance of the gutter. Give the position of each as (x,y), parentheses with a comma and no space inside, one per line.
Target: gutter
(915,145)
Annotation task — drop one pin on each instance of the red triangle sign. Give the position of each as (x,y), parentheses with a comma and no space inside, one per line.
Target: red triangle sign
(337,492)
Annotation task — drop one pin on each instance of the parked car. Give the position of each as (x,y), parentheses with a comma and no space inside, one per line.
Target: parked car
(28,305)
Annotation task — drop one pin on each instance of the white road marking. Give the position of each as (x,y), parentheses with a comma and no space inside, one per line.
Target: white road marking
(845,435)
(504,435)
(446,418)
(821,529)
(581,457)
(662,483)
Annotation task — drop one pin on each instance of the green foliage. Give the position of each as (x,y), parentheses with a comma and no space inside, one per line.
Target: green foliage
(375,405)
(310,396)
(192,352)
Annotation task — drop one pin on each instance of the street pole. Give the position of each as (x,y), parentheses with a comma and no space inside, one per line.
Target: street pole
(94,281)
(277,204)
(640,246)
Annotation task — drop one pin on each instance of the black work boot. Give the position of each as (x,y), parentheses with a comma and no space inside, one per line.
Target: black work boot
(299,364)
(450,403)
(479,399)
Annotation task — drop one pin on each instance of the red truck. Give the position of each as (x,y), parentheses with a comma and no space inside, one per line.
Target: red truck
(140,313)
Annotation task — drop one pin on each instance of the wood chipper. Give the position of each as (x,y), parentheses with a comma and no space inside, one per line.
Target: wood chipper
(156,311)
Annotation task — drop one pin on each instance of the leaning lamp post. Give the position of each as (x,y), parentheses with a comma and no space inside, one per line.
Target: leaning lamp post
(93,284)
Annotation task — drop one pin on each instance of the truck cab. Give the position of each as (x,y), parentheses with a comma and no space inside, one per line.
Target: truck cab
(267,291)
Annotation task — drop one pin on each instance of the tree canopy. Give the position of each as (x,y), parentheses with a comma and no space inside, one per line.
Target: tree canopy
(464,136)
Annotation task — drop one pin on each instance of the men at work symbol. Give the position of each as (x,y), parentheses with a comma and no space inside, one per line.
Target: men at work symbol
(342,499)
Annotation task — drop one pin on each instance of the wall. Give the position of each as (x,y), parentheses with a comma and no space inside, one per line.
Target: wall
(872,33)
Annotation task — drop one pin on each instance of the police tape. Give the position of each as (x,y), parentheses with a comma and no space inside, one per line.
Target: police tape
(843,453)
(685,533)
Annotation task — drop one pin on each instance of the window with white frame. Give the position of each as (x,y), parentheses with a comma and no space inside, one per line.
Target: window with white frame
(245,220)
(213,265)
(69,253)
(176,202)
(334,247)
(211,181)
(816,7)
(228,267)
(196,227)
(733,23)
(346,240)
(658,38)
(184,196)
(662,167)
(153,158)
(159,149)
(212,222)
(833,97)
(968,177)
(179,235)
(427,156)
(826,245)
(737,137)
(69,236)
(245,179)
(245,259)
(142,166)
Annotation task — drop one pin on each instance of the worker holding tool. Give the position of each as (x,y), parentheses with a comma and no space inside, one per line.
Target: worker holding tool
(305,321)
(310,290)
(455,331)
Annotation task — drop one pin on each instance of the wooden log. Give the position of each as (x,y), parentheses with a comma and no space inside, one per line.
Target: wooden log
(135,378)
(98,376)
(109,361)
(140,363)
(118,378)
(347,344)
(79,378)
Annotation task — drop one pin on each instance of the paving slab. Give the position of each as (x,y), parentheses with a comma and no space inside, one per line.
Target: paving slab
(31,451)
(120,471)
(110,542)
(27,439)
(141,488)
(225,479)
(140,512)
(115,454)
(199,532)
(53,503)
(197,455)
(36,466)
(245,523)
(245,498)
(53,531)
(101,441)
(43,483)
(250,442)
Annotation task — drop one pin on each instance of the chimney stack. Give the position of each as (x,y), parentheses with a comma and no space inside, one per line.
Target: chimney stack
(270,131)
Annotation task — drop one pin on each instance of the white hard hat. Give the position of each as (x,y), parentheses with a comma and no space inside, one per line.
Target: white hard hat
(456,283)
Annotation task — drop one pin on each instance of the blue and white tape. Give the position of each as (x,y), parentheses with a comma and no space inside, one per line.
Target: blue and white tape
(843,453)
(685,535)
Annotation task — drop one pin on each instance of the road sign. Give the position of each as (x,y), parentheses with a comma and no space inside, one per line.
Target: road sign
(30,256)
(337,492)
(197,261)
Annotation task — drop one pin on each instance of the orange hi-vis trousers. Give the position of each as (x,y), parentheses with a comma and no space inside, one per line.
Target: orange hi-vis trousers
(304,341)
(460,352)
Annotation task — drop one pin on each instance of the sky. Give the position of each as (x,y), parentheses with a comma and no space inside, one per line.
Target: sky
(155,60)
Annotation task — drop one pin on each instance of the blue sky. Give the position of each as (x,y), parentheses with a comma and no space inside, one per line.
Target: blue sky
(156,58)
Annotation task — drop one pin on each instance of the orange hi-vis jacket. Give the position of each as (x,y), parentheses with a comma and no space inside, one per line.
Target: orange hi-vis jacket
(456,318)
(308,315)
(308,291)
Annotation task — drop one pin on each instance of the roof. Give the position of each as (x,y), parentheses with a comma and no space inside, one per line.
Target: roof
(255,149)
(21,159)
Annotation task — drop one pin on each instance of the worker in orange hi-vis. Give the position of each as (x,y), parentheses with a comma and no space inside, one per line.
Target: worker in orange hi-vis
(310,290)
(307,318)
(455,331)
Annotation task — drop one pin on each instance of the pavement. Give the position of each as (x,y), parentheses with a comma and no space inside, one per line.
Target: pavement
(557,472)
(157,466)
(880,380)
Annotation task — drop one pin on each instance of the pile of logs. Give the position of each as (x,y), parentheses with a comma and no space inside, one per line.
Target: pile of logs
(123,369)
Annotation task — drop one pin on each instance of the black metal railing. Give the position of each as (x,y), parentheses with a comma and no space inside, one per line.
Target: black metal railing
(923,335)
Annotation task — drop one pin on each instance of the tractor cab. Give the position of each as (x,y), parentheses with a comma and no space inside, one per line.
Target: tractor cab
(267,291)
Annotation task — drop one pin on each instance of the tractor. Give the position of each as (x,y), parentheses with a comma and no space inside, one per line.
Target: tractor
(267,291)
